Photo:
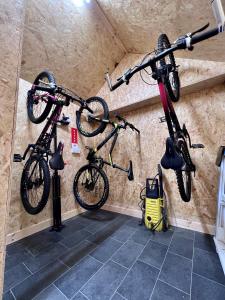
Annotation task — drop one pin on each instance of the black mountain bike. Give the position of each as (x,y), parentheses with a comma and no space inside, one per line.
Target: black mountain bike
(91,186)
(164,70)
(35,180)
(43,94)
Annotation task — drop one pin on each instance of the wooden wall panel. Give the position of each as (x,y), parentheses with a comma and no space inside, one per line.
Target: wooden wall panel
(71,38)
(203,113)
(11,23)
(139,23)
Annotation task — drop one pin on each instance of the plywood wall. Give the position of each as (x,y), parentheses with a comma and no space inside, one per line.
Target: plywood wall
(11,23)
(203,113)
(71,38)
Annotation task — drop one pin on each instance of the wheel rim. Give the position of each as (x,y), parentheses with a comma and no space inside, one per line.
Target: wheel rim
(90,187)
(39,100)
(87,125)
(34,184)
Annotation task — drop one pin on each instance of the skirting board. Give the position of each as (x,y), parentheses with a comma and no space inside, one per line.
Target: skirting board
(197,226)
(20,234)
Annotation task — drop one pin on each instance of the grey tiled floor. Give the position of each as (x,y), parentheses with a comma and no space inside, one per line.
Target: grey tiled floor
(104,255)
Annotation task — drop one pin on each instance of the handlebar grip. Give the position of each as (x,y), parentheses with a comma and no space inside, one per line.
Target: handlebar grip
(116,85)
(204,36)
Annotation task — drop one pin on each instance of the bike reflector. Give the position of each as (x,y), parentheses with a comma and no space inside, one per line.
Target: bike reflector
(219,14)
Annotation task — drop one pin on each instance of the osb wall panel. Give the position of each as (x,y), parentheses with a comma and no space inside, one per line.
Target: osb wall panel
(71,38)
(139,23)
(203,113)
(27,132)
(190,73)
(11,23)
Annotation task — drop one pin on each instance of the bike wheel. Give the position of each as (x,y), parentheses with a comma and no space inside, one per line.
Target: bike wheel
(172,81)
(38,106)
(85,124)
(91,187)
(184,176)
(35,184)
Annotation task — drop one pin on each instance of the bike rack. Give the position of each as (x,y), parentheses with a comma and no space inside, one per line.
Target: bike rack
(56,194)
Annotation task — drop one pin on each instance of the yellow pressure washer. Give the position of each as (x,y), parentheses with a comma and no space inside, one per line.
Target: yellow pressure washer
(153,204)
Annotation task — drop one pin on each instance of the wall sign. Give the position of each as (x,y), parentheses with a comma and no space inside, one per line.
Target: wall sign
(74,141)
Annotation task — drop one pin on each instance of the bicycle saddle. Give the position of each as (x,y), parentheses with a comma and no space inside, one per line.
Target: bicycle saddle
(56,162)
(171,159)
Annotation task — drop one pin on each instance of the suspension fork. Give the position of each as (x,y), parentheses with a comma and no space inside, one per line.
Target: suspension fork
(112,147)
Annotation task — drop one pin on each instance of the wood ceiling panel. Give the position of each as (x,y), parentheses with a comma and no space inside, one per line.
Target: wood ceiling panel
(73,39)
(138,24)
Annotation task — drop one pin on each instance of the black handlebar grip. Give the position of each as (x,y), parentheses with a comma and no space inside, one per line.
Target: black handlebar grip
(204,36)
(116,85)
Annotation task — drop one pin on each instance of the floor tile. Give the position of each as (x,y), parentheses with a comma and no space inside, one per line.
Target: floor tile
(49,255)
(15,275)
(141,236)
(204,289)
(12,260)
(75,238)
(204,242)
(106,249)
(128,253)
(133,222)
(186,233)
(50,293)
(15,248)
(208,265)
(34,284)
(182,246)
(117,297)
(163,291)
(70,228)
(8,296)
(105,282)
(139,282)
(77,276)
(75,254)
(103,234)
(176,271)
(154,254)
(162,237)
(123,233)
(41,240)
(79,296)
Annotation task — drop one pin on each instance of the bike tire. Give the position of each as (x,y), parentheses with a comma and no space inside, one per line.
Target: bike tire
(174,93)
(31,101)
(24,186)
(184,187)
(83,202)
(104,113)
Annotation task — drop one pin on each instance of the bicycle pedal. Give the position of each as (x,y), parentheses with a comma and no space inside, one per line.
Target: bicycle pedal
(162,119)
(17,158)
(197,146)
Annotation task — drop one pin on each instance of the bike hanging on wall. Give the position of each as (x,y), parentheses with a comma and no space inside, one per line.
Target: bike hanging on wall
(91,185)
(164,71)
(35,180)
(41,99)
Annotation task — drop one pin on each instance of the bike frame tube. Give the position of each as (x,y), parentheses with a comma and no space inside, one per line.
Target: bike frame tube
(168,110)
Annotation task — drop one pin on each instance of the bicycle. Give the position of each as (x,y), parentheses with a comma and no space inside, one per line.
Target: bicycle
(91,185)
(42,97)
(35,180)
(164,71)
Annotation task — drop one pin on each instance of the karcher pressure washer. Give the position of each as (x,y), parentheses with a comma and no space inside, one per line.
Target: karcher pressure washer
(153,203)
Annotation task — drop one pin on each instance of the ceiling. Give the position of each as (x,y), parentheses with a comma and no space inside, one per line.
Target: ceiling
(138,24)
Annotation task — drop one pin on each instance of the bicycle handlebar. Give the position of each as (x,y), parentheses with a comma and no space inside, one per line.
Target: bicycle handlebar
(183,42)
(120,118)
